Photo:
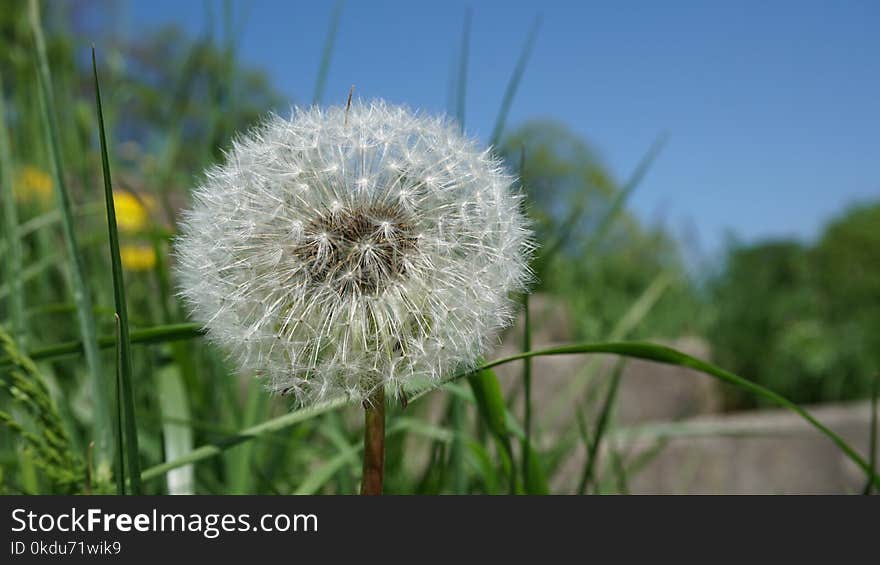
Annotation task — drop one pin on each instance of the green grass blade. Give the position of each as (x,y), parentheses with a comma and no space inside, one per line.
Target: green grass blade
(669,356)
(639,350)
(457,409)
(157,334)
(513,85)
(176,433)
(102,430)
(124,344)
(253,432)
(327,53)
(461,91)
(491,407)
(620,473)
(872,436)
(621,330)
(10,221)
(458,414)
(241,476)
(316,480)
(527,383)
(618,205)
(117,412)
(601,426)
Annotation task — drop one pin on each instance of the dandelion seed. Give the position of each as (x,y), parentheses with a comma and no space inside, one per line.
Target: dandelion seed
(388,263)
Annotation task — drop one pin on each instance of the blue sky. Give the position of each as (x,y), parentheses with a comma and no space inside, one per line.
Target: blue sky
(772,108)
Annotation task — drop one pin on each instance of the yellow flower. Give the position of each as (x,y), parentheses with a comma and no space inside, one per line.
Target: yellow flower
(137,257)
(33,185)
(132,212)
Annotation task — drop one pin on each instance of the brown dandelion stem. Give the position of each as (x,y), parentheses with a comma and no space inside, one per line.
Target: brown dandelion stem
(374,443)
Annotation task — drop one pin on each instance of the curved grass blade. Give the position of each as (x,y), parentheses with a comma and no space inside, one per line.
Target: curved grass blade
(461,91)
(103,425)
(157,334)
(316,480)
(513,85)
(124,342)
(640,350)
(670,356)
(327,53)
(253,432)
(619,203)
(872,436)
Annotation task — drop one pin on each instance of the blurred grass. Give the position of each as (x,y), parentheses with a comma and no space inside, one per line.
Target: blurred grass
(102,434)
(173,105)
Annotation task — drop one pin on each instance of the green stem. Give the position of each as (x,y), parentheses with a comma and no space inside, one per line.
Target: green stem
(99,383)
(10,217)
(159,334)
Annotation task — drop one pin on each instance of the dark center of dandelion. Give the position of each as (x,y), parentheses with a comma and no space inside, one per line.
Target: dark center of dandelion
(357,250)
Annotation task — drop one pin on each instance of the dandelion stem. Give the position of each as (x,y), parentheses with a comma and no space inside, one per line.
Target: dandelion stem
(374,443)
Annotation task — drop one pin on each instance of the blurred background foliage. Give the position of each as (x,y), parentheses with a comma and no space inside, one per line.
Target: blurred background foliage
(802,318)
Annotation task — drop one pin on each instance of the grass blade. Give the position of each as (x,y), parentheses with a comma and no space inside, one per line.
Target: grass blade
(253,432)
(10,221)
(492,408)
(619,203)
(872,436)
(157,334)
(513,85)
(124,343)
(239,466)
(461,91)
(635,349)
(103,426)
(327,54)
(457,409)
(670,356)
(120,448)
(601,426)
(176,433)
(7,199)
(621,330)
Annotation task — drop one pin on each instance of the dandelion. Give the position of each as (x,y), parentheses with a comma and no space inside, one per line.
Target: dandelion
(347,252)
(132,211)
(33,186)
(137,257)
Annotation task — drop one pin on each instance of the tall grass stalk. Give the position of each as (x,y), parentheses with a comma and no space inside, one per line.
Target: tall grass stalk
(327,53)
(124,345)
(11,231)
(103,424)
(513,84)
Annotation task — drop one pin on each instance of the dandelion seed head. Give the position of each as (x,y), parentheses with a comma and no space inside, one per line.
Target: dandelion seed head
(333,255)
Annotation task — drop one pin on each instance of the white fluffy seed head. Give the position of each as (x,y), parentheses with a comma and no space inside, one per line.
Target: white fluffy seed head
(332,255)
